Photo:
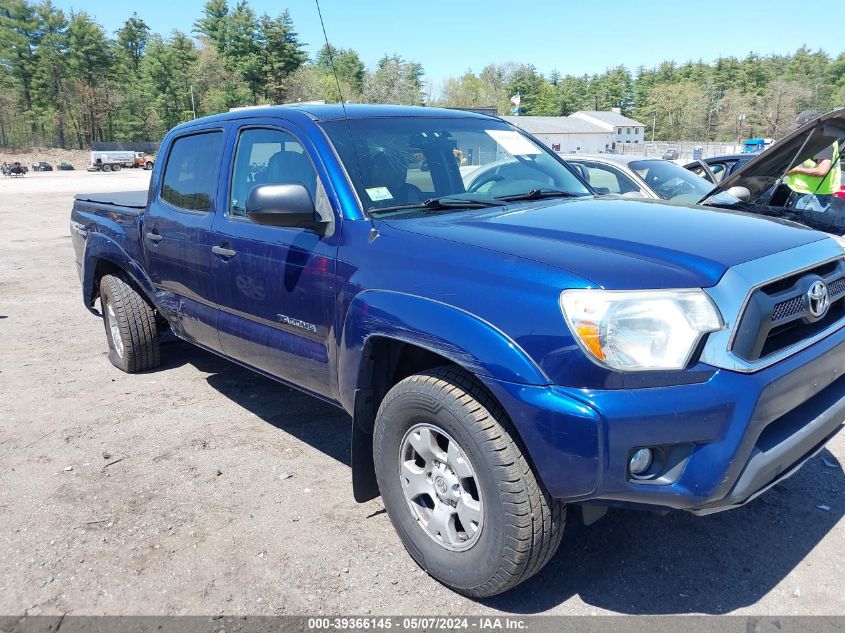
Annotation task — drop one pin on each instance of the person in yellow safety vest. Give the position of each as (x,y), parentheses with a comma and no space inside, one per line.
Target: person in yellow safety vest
(814,181)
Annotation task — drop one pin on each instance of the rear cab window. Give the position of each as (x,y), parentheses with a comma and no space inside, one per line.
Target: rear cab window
(190,176)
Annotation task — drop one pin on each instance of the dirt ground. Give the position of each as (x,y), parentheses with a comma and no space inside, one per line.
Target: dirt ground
(168,492)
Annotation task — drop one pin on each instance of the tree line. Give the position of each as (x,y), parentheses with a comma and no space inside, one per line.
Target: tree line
(718,101)
(65,82)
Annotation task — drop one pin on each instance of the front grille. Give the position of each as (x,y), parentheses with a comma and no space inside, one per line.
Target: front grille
(837,286)
(778,286)
(777,315)
(796,331)
(788,308)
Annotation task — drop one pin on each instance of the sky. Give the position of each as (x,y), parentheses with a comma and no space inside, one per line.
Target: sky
(574,37)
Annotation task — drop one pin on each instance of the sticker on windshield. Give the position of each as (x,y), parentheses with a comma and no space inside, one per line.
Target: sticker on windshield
(513,143)
(379,193)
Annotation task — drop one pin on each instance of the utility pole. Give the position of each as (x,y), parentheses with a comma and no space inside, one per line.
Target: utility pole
(653,126)
(193,106)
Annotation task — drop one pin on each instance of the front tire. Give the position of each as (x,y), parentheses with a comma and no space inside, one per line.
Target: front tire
(130,324)
(458,489)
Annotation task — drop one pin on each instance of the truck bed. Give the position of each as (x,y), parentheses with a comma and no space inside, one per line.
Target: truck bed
(129,200)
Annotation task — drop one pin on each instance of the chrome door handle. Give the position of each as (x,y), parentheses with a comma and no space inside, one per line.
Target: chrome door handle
(154,237)
(223,251)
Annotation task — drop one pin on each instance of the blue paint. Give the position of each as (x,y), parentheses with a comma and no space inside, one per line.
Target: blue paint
(478,287)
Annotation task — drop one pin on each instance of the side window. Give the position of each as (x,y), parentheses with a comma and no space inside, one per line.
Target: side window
(606,179)
(265,157)
(719,170)
(190,175)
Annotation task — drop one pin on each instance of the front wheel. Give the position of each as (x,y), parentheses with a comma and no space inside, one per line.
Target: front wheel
(131,328)
(148,166)
(458,489)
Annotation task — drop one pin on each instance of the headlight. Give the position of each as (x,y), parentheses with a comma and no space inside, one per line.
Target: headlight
(642,329)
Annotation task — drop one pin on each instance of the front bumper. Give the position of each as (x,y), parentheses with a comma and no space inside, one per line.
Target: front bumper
(731,437)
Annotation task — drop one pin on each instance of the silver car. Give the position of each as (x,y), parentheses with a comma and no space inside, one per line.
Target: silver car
(640,177)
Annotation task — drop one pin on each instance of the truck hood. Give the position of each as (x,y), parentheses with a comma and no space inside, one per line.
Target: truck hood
(616,243)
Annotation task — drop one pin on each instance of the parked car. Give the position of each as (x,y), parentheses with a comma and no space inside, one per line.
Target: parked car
(716,168)
(16,169)
(759,186)
(65,166)
(41,166)
(670,154)
(640,177)
(505,353)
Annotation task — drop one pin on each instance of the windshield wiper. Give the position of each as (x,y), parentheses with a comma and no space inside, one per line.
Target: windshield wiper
(443,202)
(539,194)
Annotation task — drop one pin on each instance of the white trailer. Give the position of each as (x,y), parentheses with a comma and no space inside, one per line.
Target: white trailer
(111,161)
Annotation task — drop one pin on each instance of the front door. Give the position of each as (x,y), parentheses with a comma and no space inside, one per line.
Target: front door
(276,285)
(176,235)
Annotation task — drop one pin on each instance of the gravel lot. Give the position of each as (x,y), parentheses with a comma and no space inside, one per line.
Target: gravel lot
(165,492)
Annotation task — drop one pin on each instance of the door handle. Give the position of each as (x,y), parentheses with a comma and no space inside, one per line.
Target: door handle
(154,237)
(227,253)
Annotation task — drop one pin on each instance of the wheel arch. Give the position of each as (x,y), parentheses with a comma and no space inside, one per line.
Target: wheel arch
(104,256)
(388,336)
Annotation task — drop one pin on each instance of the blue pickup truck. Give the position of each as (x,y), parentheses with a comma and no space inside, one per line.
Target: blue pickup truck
(509,345)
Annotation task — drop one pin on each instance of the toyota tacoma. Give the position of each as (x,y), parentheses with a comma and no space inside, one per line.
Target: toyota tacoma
(509,344)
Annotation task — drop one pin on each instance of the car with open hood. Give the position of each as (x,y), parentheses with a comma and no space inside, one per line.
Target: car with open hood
(760,185)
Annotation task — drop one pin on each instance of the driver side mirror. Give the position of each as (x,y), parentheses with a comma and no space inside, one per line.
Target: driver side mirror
(740,193)
(287,205)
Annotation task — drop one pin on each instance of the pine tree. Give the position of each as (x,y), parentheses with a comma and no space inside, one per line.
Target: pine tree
(132,39)
(281,56)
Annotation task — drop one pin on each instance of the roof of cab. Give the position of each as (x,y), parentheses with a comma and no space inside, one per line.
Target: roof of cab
(334,111)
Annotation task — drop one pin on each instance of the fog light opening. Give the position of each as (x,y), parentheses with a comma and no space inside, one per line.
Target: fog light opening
(640,462)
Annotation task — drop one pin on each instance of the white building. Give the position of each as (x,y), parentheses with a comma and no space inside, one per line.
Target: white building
(567,135)
(624,130)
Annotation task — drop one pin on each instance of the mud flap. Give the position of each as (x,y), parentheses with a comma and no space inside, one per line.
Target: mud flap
(364,484)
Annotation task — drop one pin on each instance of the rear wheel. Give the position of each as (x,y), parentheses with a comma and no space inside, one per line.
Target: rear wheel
(130,324)
(115,167)
(457,487)
(106,168)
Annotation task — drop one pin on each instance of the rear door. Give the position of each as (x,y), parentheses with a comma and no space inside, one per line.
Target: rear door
(177,230)
(276,285)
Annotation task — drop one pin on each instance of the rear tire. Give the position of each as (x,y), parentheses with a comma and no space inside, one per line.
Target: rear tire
(105,168)
(115,167)
(513,528)
(130,324)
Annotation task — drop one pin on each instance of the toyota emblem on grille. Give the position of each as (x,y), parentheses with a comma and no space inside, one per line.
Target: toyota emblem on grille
(818,298)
